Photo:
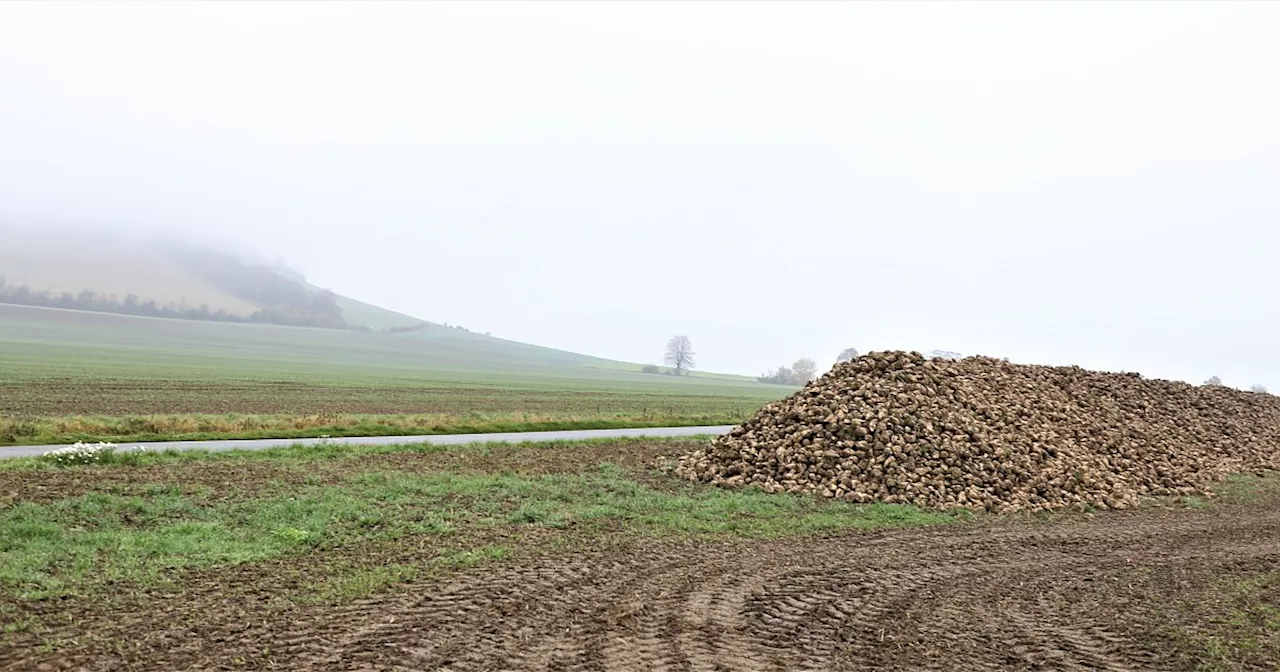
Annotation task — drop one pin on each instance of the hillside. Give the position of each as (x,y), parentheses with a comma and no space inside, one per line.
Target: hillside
(108,267)
(107,346)
(361,314)
(151,277)
(147,278)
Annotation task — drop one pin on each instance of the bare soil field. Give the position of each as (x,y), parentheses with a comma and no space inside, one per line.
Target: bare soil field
(1085,595)
(1182,584)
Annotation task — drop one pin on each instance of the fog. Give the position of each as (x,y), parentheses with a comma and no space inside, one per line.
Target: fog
(1083,183)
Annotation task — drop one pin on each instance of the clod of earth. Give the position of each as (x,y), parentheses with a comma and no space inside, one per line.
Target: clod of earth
(982,433)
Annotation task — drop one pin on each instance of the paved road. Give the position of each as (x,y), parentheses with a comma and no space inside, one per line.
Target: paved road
(442,439)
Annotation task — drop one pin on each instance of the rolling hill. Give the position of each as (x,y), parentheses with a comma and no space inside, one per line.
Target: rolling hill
(57,269)
(107,266)
(69,375)
(136,277)
(90,349)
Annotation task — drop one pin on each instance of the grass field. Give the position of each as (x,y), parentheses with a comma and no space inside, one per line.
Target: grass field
(68,375)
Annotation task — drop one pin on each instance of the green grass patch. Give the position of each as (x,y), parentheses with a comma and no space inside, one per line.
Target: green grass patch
(1237,488)
(1243,626)
(353,583)
(361,582)
(95,541)
(102,539)
(1249,487)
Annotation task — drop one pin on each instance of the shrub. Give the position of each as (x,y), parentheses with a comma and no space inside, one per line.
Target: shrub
(782,376)
(649,368)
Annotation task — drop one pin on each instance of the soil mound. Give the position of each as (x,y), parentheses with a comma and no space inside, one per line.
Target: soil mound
(982,433)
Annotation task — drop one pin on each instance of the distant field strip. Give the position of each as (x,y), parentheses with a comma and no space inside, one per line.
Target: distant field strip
(67,376)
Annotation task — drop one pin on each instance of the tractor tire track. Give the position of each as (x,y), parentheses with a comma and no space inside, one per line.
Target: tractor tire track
(1001,595)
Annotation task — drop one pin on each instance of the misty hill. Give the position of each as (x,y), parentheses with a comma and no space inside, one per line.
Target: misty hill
(157,278)
(119,276)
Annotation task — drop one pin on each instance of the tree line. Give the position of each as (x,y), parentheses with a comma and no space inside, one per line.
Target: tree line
(802,370)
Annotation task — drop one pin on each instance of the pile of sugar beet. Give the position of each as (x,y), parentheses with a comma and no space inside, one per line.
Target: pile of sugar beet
(982,433)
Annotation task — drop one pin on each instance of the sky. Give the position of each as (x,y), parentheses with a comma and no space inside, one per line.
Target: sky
(1062,183)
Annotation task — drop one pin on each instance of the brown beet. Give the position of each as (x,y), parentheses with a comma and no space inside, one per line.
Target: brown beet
(983,433)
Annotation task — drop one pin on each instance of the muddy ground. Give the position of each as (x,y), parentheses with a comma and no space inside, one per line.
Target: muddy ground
(1165,587)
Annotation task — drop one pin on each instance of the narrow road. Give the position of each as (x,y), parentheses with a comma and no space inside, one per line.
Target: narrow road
(438,439)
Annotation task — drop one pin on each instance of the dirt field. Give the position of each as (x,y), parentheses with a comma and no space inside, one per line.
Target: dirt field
(1171,586)
(995,598)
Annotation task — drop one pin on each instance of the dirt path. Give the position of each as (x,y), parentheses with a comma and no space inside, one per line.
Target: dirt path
(1074,594)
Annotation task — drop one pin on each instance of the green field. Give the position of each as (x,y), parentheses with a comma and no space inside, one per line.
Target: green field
(70,375)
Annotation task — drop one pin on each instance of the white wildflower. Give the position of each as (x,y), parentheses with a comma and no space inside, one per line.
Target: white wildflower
(82,453)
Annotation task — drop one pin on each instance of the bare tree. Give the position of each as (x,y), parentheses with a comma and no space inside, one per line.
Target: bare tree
(1260,389)
(804,370)
(847,355)
(679,354)
(1213,381)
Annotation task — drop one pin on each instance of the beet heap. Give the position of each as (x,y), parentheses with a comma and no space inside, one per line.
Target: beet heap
(981,433)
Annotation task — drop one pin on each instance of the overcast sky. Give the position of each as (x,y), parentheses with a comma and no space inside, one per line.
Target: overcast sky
(1092,183)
